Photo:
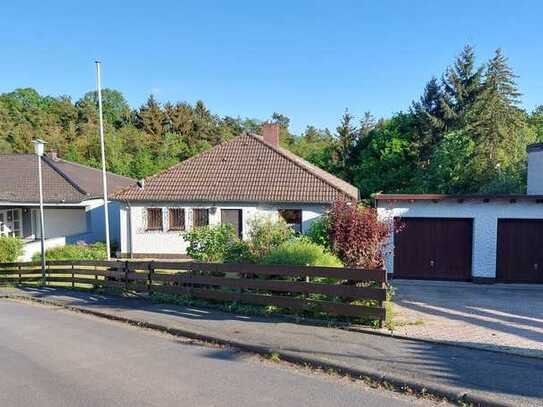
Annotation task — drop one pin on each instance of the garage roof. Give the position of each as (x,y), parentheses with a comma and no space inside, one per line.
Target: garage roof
(462,197)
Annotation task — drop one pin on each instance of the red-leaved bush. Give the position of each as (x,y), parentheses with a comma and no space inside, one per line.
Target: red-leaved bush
(356,235)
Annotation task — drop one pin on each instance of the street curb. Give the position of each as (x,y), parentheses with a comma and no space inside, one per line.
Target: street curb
(396,380)
(436,342)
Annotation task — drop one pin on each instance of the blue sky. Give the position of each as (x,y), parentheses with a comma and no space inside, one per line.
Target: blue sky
(306,59)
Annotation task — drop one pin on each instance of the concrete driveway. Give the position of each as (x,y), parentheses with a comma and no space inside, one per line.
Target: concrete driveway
(505,317)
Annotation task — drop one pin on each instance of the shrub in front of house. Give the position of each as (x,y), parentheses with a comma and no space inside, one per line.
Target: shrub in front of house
(79,251)
(10,248)
(303,252)
(266,234)
(319,232)
(357,236)
(216,243)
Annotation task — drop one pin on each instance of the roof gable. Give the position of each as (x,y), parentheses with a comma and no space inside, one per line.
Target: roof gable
(244,169)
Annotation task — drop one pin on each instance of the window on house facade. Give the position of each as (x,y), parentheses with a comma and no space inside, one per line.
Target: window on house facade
(200,217)
(293,218)
(234,218)
(154,218)
(176,219)
(11,222)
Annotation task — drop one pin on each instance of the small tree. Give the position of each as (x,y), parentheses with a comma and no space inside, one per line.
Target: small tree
(10,248)
(266,234)
(356,234)
(211,243)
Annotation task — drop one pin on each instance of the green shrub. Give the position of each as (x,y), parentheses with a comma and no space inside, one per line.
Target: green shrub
(213,243)
(265,235)
(80,251)
(301,251)
(239,252)
(10,248)
(319,232)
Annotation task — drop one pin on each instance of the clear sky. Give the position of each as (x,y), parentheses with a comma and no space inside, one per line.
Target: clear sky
(306,59)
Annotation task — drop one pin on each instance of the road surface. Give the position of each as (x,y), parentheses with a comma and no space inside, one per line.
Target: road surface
(53,357)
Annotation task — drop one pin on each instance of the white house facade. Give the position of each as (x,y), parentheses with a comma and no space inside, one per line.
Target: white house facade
(245,178)
(167,240)
(481,238)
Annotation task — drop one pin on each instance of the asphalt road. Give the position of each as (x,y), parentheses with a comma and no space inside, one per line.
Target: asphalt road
(52,357)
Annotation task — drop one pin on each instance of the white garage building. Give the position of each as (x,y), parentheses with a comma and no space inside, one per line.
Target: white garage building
(481,238)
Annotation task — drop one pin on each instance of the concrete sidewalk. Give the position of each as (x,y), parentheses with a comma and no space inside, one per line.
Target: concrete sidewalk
(489,378)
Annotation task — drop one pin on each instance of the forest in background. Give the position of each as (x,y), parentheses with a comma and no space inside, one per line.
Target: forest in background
(467,133)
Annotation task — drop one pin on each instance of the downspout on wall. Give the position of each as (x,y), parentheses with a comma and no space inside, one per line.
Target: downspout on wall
(129,225)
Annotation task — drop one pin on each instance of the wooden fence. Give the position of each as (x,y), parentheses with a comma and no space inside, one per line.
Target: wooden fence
(349,292)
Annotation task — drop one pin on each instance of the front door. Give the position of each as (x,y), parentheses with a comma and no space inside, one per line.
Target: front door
(11,222)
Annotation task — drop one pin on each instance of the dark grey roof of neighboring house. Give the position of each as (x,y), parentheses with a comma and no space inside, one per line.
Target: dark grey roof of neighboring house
(244,169)
(531,148)
(63,181)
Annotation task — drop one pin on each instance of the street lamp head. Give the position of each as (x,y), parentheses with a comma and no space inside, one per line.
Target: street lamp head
(39,146)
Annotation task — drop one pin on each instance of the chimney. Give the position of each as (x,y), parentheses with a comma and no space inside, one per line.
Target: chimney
(535,169)
(270,133)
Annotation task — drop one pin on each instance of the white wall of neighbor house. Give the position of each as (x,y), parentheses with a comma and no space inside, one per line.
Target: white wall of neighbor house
(96,224)
(485,224)
(143,241)
(60,222)
(535,172)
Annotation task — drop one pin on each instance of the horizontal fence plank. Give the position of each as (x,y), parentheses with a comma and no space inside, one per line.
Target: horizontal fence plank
(86,272)
(72,280)
(22,279)
(21,264)
(95,263)
(353,274)
(9,272)
(273,285)
(285,302)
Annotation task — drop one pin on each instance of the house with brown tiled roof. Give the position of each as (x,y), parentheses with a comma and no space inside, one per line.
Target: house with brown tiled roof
(73,204)
(246,177)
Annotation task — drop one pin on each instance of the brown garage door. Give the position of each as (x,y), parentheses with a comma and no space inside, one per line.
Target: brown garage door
(433,248)
(520,251)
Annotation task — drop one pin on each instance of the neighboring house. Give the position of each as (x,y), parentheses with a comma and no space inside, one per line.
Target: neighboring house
(73,204)
(247,177)
(469,237)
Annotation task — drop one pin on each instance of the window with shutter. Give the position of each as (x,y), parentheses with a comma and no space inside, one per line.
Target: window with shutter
(154,218)
(200,217)
(177,219)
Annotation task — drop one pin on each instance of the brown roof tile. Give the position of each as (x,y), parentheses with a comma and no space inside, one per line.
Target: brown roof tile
(244,169)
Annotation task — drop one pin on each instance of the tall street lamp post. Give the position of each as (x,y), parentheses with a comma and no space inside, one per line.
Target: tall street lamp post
(39,147)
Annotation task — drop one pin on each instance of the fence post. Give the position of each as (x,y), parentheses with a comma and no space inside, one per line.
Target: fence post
(126,275)
(381,303)
(150,271)
(73,275)
(20,278)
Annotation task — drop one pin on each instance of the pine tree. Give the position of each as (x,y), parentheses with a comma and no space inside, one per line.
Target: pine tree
(429,117)
(151,118)
(496,123)
(367,124)
(347,136)
(462,85)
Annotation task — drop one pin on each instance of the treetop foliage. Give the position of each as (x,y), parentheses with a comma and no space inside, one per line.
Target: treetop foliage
(466,133)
